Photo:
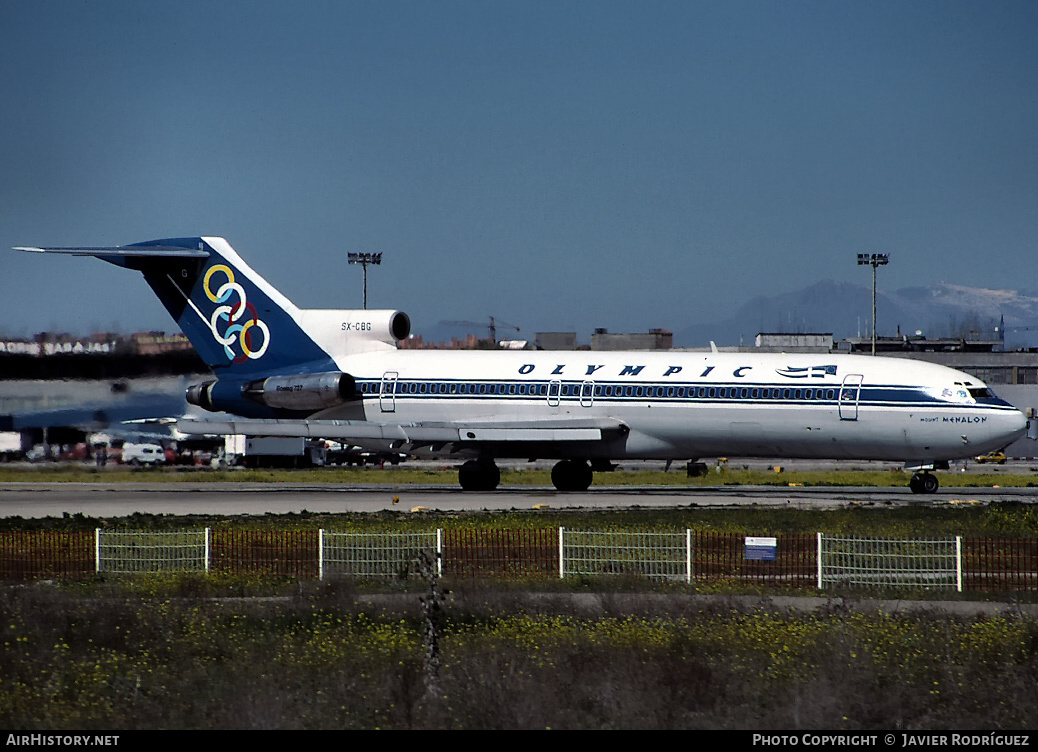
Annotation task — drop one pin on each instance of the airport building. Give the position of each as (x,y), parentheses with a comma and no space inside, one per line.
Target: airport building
(654,339)
(555,340)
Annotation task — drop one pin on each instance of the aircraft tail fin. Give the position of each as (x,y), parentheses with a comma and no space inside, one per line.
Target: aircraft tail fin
(237,322)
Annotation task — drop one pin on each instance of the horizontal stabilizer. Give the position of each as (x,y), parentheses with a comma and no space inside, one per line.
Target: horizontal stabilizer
(122,250)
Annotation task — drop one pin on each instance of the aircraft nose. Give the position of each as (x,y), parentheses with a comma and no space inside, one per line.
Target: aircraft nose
(1015,425)
(999,429)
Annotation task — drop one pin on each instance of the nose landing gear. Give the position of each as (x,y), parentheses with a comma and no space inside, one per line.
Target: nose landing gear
(923,483)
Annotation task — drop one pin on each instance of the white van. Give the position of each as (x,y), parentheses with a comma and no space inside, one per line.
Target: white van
(143,454)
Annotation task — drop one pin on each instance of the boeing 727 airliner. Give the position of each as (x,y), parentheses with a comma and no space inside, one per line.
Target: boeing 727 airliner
(337,374)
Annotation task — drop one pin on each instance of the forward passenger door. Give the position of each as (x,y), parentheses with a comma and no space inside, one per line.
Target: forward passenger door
(850,393)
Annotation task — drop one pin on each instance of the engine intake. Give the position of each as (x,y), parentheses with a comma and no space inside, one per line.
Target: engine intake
(201,395)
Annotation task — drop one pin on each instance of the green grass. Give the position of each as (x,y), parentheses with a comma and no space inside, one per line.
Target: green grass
(321,658)
(994,519)
(447,475)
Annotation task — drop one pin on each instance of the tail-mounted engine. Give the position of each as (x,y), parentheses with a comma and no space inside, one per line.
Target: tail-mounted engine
(347,332)
(304,392)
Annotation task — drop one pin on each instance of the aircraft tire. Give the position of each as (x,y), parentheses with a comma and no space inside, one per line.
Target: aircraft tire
(571,475)
(476,475)
(924,483)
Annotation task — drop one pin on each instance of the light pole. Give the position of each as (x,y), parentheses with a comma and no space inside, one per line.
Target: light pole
(873,260)
(364,259)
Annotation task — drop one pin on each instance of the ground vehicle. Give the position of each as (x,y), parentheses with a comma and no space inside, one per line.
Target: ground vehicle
(10,445)
(282,451)
(345,454)
(996,458)
(143,454)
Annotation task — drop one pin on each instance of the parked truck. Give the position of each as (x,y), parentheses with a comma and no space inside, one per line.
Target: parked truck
(11,446)
(278,451)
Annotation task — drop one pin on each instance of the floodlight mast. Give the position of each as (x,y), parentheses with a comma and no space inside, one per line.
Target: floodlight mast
(873,260)
(364,259)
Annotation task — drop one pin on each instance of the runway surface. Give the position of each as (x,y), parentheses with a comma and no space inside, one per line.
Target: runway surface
(38,500)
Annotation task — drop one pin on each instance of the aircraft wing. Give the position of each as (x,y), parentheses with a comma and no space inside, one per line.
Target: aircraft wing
(416,434)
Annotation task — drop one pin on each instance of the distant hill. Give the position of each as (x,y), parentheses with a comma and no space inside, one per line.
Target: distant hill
(845,309)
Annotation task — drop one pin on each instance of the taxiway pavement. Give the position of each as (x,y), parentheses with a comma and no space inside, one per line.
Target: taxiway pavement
(38,500)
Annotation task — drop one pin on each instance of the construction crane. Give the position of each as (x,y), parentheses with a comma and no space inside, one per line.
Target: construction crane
(492,328)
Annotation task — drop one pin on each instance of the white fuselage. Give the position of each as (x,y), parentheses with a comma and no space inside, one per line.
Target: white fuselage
(680,405)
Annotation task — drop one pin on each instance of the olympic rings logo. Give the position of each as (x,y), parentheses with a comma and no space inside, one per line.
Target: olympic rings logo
(238,321)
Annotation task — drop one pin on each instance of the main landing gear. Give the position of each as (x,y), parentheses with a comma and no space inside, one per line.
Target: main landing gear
(479,475)
(571,475)
(923,483)
(484,475)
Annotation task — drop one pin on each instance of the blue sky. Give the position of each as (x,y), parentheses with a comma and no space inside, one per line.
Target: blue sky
(557,165)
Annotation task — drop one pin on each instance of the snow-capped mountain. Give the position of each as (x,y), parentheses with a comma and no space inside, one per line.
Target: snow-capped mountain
(845,309)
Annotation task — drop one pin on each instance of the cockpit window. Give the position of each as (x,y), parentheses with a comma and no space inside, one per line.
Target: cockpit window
(980,393)
(956,393)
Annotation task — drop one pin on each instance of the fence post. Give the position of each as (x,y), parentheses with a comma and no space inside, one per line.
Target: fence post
(320,554)
(562,571)
(439,552)
(818,555)
(688,555)
(97,549)
(207,550)
(958,562)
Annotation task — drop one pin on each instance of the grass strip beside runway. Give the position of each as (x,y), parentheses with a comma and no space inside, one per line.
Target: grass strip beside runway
(447,475)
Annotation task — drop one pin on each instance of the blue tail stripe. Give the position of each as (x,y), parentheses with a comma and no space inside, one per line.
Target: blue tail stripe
(233,324)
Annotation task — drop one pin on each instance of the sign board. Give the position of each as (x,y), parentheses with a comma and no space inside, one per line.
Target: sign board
(760,549)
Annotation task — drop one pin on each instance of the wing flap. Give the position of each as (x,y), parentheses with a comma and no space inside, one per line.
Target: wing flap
(530,434)
(415,433)
(311,429)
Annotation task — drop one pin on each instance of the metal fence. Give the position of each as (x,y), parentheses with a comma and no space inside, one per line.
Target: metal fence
(140,551)
(854,560)
(511,554)
(46,553)
(646,554)
(1000,563)
(273,552)
(382,555)
(969,563)
(723,556)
